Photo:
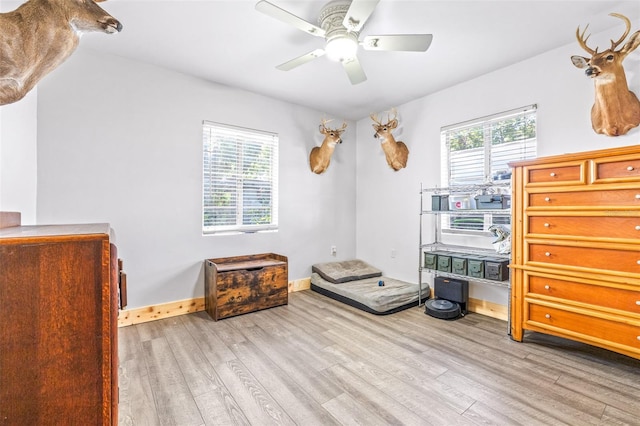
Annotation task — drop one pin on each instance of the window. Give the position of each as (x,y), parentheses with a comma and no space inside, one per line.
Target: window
(240,179)
(477,152)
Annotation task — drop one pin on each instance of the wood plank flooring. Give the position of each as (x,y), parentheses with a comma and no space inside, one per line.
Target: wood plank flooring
(320,362)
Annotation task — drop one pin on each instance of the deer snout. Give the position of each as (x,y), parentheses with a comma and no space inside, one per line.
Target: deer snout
(111,25)
(591,72)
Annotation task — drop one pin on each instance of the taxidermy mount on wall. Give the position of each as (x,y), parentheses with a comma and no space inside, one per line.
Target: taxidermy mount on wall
(41,34)
(320,156)
(396,153)
(616,109)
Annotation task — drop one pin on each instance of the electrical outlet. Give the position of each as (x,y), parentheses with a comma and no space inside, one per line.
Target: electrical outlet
(334,250)
(394,253)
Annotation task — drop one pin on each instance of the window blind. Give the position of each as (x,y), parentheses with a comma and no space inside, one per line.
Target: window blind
(240,179)
(478,151)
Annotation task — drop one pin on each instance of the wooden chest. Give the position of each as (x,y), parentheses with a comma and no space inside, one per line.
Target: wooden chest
(576,248)
(243,284)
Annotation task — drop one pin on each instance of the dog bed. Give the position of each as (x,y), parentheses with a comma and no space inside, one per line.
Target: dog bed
(357,284)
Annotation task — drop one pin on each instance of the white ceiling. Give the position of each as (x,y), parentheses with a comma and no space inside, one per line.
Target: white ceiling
(231,43)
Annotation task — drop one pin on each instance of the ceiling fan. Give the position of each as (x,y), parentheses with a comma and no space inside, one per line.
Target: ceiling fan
(340,22)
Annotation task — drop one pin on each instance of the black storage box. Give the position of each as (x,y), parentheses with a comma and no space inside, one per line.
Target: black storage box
(439,202)
(493,201)
(496,269)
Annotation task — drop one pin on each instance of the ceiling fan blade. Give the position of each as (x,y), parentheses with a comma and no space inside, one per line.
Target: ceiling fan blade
(401,42)
(358,13)
(289,18)
(354,70)
(300,60)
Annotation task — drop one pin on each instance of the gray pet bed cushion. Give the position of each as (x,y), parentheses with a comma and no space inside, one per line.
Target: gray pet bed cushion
(366,294)
(345,271)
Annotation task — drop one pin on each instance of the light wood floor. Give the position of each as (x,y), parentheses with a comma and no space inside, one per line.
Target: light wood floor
(319,362)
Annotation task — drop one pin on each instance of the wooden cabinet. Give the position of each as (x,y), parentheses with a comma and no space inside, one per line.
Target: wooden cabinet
(242,284)
(576,248)
(58,339)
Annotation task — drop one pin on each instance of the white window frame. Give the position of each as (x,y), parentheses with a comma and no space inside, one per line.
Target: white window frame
(493,158)
(226,151)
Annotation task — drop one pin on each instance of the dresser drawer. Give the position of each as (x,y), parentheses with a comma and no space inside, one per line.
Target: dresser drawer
(586,258)
(588,199)
(616,169)
(571,173)
(586,326)
(618,227)
(606,297)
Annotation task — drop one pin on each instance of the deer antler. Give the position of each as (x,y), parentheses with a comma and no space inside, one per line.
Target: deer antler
(374,117)
(324,125)
(615,44)
(393,111)
(583,41)
(324,122)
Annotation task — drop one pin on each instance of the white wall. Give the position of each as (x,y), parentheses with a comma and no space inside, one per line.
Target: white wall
(18,160)
(120,142)
(388,202)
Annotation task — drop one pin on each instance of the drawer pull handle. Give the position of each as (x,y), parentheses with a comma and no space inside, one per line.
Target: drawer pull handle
(548,254)
(637,196)
(630,168)
(547,316)
(552,174)
(547,287)
(638,302)
(546,225)
(547,199)
(637,227)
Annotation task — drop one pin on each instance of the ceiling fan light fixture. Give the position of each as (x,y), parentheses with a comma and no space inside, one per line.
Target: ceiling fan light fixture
(339,23)
(341,48)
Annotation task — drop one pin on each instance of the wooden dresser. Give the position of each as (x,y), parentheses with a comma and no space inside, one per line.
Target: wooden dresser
(576,248)
(242,284)
(58,339)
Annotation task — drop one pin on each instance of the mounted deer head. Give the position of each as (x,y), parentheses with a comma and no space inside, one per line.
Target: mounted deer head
(396,153)
(320,157)
(39,35)
(616,109)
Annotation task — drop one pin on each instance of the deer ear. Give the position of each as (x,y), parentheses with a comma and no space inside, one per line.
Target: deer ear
(322,129)
(393,123)
(632,44)
(580,62)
